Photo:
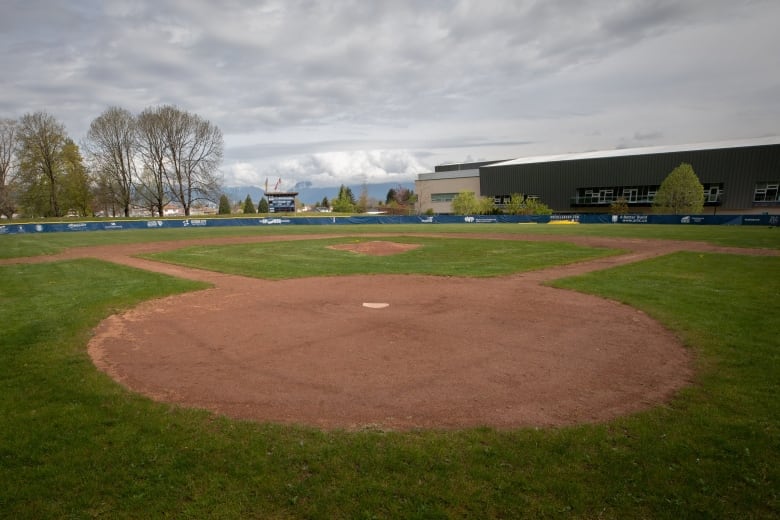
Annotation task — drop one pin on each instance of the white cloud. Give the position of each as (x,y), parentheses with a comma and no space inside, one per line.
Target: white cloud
(330,169)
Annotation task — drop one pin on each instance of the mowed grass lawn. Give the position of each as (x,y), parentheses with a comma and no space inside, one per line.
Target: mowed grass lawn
(74,444)
(435,256)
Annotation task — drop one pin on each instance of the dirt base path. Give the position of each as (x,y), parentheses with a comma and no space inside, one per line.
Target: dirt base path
(395,352)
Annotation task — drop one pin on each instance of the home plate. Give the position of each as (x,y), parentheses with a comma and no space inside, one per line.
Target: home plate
(375,305)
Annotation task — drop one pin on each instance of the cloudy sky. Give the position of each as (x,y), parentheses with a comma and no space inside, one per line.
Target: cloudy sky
(377,91)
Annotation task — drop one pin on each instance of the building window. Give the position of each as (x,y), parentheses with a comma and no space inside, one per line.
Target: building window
(605,195)
(767,192)
(713,193)
(442,197)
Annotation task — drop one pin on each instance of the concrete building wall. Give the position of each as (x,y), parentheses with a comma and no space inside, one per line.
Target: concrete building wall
(433,192)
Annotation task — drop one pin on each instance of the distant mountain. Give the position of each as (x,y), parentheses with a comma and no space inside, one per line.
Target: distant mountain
(310,195)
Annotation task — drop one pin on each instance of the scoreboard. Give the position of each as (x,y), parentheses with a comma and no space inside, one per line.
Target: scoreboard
(281,202)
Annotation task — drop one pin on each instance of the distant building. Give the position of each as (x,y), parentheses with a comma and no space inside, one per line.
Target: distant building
(738,177)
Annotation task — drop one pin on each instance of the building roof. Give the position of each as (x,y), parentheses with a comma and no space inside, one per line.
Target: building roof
(451,174)
(625,152)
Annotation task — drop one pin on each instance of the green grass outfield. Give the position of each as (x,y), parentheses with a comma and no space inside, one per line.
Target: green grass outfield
(74,444)
(49,243)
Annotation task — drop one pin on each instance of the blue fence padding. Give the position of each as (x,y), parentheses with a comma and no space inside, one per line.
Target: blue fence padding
(584,218)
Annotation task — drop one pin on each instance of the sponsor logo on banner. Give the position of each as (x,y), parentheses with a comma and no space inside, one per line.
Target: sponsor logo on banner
(634,219)
(685,220)
(271,221)
(426,220)
(480,220)
(38,227)
(3,230)
(78,226)
(154,223)
(195,222)
(112,225)
(571,218)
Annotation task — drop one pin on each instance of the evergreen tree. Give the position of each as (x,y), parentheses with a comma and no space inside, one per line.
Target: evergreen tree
(224,205)
(345,202)
(325,202)
(262,206)
(249,206)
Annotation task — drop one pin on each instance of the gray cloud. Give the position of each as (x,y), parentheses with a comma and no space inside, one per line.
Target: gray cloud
(432,82)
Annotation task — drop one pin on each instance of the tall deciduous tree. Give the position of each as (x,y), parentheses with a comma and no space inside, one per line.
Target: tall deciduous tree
(150,138)
(111,141)
(194,151)
(41,139)
(8,145)
(681,192)
(76,183)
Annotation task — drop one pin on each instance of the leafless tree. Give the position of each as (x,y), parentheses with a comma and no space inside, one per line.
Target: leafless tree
(194,152)
(150,135)
(7,165)
(111,142)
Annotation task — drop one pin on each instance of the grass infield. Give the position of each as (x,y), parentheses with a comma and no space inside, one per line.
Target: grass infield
(74,444)
(439,256)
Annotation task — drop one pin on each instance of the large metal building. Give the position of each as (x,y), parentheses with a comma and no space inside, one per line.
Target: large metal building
(738,177)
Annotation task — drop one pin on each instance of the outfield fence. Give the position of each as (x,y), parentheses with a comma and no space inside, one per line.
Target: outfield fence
(11,228)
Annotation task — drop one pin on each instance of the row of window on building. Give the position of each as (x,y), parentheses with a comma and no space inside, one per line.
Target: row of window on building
(639,195)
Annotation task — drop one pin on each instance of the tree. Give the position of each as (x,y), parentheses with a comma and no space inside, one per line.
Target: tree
(249,206)
(8,145)
(345,202)
(681,192)
(486,206)
(537,207)
(362,203)
(150,139)
(193,153)
(465,203)
(224,205)
(400,200)
(41,139)
(325,202)
(76,183)
(520,204)
(112,145)
(619,206)
(262,206)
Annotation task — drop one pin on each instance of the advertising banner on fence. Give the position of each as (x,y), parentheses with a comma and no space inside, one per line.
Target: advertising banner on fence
(564,218)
